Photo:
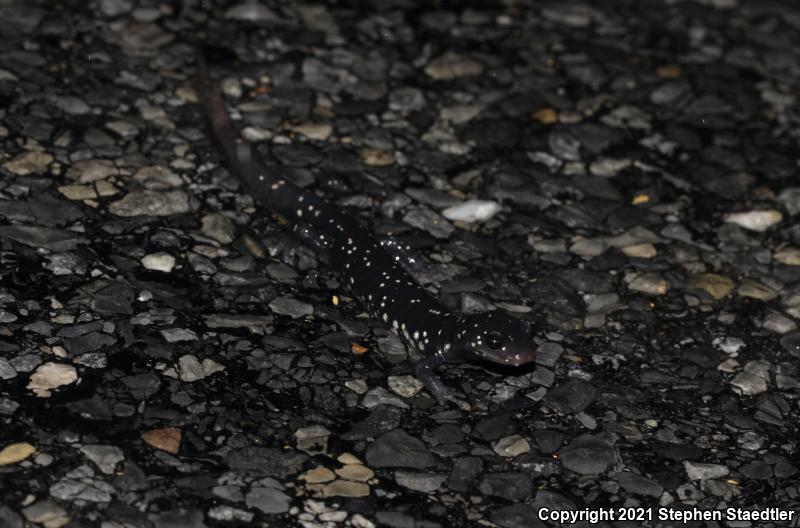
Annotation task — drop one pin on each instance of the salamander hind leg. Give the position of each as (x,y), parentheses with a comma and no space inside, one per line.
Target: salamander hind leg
(413,263)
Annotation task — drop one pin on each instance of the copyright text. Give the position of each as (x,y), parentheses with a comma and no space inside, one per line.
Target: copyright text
(597,515)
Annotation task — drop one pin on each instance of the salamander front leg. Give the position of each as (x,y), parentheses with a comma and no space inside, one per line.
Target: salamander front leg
(426,372)
(313,239)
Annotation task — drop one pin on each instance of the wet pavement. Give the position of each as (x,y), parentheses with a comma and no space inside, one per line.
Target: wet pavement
(623,174)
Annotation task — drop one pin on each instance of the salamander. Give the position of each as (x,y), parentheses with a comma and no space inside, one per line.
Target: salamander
(376,278)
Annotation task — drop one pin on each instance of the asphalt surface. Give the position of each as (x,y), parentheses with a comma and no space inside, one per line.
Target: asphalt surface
(623,174)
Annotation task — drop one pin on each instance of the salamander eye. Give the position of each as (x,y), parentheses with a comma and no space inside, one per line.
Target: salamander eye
(495,340)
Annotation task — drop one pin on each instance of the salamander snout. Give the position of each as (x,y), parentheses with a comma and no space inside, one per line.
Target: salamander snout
(521,358)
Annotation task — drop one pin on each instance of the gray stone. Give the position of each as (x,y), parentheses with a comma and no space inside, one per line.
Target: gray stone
(31,162)
(399,449)
(757,470)
(511,446)
(19,18)
(700,471)
(237,321)
(82,488)
(251,12)
(407,99)
(290,306)
(153,203)
(114,8)
(105,457)
(380,396)
(452,66)
(422,482)
(382,419)
(426,220)
(191,369)
(571,397)
(6,370)
(266,461)
(142,386)
(47,237)
(46,512)
(268,500)
(71,105)
(143,38)
(219,227)
(178,335)
(9,518)
(639,485)
(589,454)
(512,486)
(179,518)
(157,177)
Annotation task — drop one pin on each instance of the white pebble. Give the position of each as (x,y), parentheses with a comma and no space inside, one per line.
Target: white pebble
(51,376)
(700,471)
(755,220)
(159,262)
(472,211)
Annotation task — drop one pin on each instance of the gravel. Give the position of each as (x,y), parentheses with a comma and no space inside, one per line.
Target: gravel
(622,176)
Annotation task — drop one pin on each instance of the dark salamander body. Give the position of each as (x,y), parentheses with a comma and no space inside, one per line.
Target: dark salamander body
(375,277)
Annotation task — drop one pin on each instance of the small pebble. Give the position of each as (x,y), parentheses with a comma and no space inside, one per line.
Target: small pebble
(405,386)
(14,453)
(511,446)
(755,220)
(472,211)
(49,376)
(159,262)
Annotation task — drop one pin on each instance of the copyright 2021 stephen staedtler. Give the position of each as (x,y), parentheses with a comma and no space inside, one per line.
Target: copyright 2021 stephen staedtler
(596,515)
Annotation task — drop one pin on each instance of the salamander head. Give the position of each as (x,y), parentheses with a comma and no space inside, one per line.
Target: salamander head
(496,337)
